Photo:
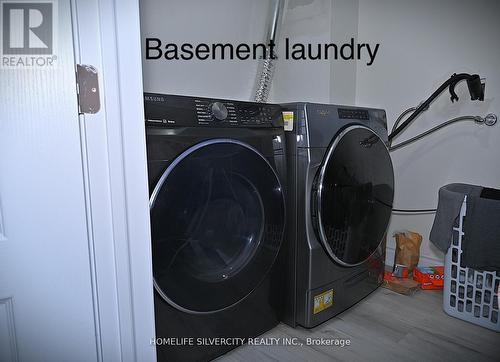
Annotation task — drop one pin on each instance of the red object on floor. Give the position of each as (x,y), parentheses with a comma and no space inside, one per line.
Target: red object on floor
(431,277)
(399,285)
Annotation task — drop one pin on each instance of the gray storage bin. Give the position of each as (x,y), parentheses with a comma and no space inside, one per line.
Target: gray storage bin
(469,294)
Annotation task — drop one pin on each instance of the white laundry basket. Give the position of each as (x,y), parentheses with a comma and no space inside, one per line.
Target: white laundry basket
(469,294)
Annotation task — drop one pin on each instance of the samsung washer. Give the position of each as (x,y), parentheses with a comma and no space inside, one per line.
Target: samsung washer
(217,206)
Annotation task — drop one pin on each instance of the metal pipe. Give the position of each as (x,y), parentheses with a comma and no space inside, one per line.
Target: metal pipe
(267,65)
(273,32)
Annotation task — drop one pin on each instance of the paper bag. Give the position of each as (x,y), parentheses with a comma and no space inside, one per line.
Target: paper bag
(408,249)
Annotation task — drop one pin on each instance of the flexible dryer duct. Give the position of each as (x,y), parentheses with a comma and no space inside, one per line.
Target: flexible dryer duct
(266,67)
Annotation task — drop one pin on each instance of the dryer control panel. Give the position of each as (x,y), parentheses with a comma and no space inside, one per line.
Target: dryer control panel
(182,111)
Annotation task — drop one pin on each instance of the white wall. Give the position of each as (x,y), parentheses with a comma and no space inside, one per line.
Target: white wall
(423,43)
(237,21)
(195,21)
(317,21)
(306,21)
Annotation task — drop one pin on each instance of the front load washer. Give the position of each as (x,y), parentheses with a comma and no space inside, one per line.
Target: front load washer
(217,221)
(340,188)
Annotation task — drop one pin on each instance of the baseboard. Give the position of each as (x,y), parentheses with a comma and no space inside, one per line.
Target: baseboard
(424,259)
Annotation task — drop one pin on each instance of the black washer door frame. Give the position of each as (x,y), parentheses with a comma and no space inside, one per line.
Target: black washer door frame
(319,189)
(264,254)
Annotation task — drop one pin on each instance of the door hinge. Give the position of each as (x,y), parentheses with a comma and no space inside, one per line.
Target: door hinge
(87,85)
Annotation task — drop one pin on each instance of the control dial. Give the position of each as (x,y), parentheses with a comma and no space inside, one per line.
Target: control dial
(219,111)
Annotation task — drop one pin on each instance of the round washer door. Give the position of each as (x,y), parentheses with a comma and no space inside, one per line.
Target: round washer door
(217,220)
(353,195)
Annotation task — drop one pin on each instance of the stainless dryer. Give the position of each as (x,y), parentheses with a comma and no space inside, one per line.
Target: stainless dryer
(340,188)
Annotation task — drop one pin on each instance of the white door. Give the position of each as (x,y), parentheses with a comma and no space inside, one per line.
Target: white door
(46,283)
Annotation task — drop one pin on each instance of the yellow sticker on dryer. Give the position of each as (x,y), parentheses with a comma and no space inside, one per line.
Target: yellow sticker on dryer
(323,301)
(288,120)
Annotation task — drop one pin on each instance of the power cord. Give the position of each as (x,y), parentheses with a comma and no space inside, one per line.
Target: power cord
(414,211)
(396,124)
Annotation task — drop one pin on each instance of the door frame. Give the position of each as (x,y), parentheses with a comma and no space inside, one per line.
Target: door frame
(106,35)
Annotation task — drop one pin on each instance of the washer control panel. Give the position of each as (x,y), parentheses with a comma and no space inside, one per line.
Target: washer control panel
(353,113)
(172,110)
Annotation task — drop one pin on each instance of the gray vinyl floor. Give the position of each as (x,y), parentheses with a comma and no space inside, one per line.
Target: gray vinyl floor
(386,326)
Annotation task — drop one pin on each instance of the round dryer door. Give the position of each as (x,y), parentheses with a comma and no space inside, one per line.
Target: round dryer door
(217,220)
(353,194)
